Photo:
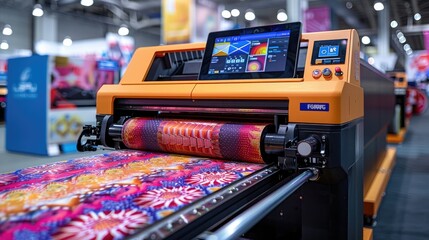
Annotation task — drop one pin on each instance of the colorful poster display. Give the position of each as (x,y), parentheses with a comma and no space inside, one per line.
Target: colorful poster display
(417,67)
(176,21)
(317,19)
(206,19)
(76,80)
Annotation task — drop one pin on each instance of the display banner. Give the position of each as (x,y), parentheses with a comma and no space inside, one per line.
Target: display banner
(426,39)
(26,129)
(317,19)
(206,20)
(417,67)
(176,21)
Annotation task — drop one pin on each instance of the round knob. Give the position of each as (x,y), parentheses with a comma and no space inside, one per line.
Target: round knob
(317,73)
(327,72)
(308,145)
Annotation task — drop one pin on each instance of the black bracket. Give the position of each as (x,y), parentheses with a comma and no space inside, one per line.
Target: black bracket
(90,144)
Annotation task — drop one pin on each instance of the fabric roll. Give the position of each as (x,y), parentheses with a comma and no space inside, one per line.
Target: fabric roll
(231,141)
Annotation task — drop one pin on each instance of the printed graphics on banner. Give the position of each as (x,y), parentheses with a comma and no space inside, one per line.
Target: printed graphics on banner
(25,88)
(66,125)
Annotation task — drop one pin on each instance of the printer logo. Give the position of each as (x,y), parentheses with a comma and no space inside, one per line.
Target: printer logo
(25,88)
(318,107)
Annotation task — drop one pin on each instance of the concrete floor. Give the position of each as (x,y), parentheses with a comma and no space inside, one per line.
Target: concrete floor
(10,161)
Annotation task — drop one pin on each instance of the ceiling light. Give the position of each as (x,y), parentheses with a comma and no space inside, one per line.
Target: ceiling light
(417,16)
(371,60)
(38,10)
(226,14)
(399,34)
(4,45)
(409,52)
(67,41)
(123,30)
(402,39)
(281,15)
(393,24)
(7,30)
(250,15)
(378,6)
(407,47)
(366,40)
(349,5)
(235,12)
(86,3)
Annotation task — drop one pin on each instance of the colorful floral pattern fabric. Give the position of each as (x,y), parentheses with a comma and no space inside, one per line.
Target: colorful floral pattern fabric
(238,142)
(107,196)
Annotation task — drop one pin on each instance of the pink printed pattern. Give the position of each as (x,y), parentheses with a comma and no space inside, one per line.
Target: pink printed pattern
(103,225)
(7,178)
(169,197)
(212,178)
(52,169)
(107,196)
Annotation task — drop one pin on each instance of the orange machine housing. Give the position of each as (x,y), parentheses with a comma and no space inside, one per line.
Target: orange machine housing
(344,94)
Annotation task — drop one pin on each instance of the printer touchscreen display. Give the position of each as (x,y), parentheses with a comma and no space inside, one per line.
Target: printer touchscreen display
(263,52)
(252,53)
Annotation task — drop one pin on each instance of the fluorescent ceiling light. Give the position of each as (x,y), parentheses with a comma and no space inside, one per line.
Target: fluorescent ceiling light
(7,30)
(86,3)
(281,15)
(226,14)
(250,15)
(38,10)
(4,45)
(407,47)
(378,6)
(417,16)
(67,41)
(235,12)
(366,40)
(123,30)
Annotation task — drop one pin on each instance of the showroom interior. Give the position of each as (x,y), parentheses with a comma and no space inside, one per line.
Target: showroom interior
(214,119)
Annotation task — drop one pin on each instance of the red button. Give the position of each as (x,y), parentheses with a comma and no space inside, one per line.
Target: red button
(338,72)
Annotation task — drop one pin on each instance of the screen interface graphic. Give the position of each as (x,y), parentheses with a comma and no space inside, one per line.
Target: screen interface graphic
(261,52)
(329,52)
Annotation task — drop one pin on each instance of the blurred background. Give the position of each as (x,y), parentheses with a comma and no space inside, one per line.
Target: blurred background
(390,30)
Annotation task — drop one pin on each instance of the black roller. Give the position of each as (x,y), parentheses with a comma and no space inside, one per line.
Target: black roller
(274,144)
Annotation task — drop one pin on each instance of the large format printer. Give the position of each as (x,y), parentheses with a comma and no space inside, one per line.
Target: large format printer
(316,130)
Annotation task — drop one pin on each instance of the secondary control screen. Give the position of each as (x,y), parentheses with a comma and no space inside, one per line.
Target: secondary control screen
(261,52)
(329,52)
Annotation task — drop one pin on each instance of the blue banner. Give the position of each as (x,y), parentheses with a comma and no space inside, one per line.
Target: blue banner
(26,113)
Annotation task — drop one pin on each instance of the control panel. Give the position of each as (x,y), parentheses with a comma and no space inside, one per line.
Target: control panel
(329,58)
(329,55)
